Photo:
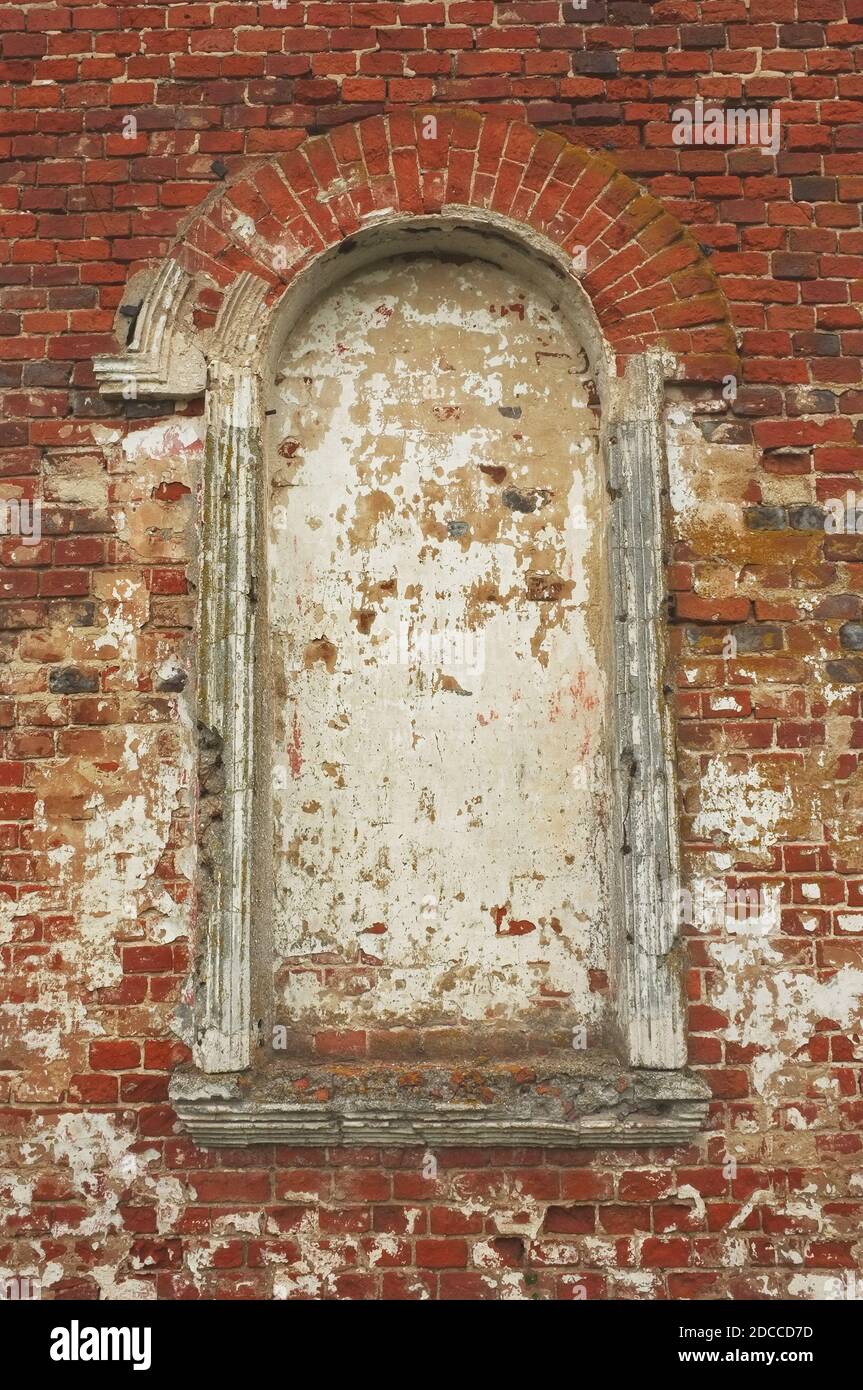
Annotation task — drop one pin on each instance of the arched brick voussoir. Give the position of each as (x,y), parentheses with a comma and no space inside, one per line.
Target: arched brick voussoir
(648,280)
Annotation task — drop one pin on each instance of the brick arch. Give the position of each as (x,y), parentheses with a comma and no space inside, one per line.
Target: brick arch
(646,277)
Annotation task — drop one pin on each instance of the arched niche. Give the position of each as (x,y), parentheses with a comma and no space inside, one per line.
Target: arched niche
(439,657)
(633,1088)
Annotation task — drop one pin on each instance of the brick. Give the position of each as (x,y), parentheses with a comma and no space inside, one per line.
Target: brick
(224,1186)
(709,610)
(110,1055)
(848,672)
(665,1254)
(851,636)
(766,518)
(640,1186)
(574,1220)
(67,680)
(94,1090)
(441,1254)
(346,1044)
(151,960)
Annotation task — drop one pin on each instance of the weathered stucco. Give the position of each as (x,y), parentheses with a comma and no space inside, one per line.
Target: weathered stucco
(438,598)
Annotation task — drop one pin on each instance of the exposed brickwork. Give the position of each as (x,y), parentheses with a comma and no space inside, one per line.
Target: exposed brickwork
(647,278)
(691,246)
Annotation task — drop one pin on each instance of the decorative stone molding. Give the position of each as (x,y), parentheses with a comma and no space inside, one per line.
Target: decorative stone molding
(226,698)
(241,317)
(645,843)
(500,190)
(162,361)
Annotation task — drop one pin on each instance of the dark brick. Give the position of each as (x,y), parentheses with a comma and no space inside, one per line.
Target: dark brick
(817,344)
(702,36)
(726,431)
(757,400)
(585,14)
(602,63)
(801,35)
(68,680)
(758,637)
(813,190)
(848,672)
(173,680)
(851,637)
(848,606)
(806,518)
(810,400)
(788,265)
(46,374)
(631,12)
(765,518)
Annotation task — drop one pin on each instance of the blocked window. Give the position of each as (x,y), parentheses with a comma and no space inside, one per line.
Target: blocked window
(439,615)
(438,867)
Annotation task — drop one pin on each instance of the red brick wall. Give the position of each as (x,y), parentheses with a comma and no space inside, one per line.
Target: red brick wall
(103,1191)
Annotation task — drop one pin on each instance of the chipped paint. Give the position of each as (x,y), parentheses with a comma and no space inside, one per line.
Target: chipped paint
(426,545)
(778,1009)
(738,808)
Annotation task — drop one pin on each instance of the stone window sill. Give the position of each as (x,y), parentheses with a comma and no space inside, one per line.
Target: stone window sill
(570,1103)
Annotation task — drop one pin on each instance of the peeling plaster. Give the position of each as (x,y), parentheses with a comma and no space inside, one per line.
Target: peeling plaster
(389,534)
(778,1009)
(738,808)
